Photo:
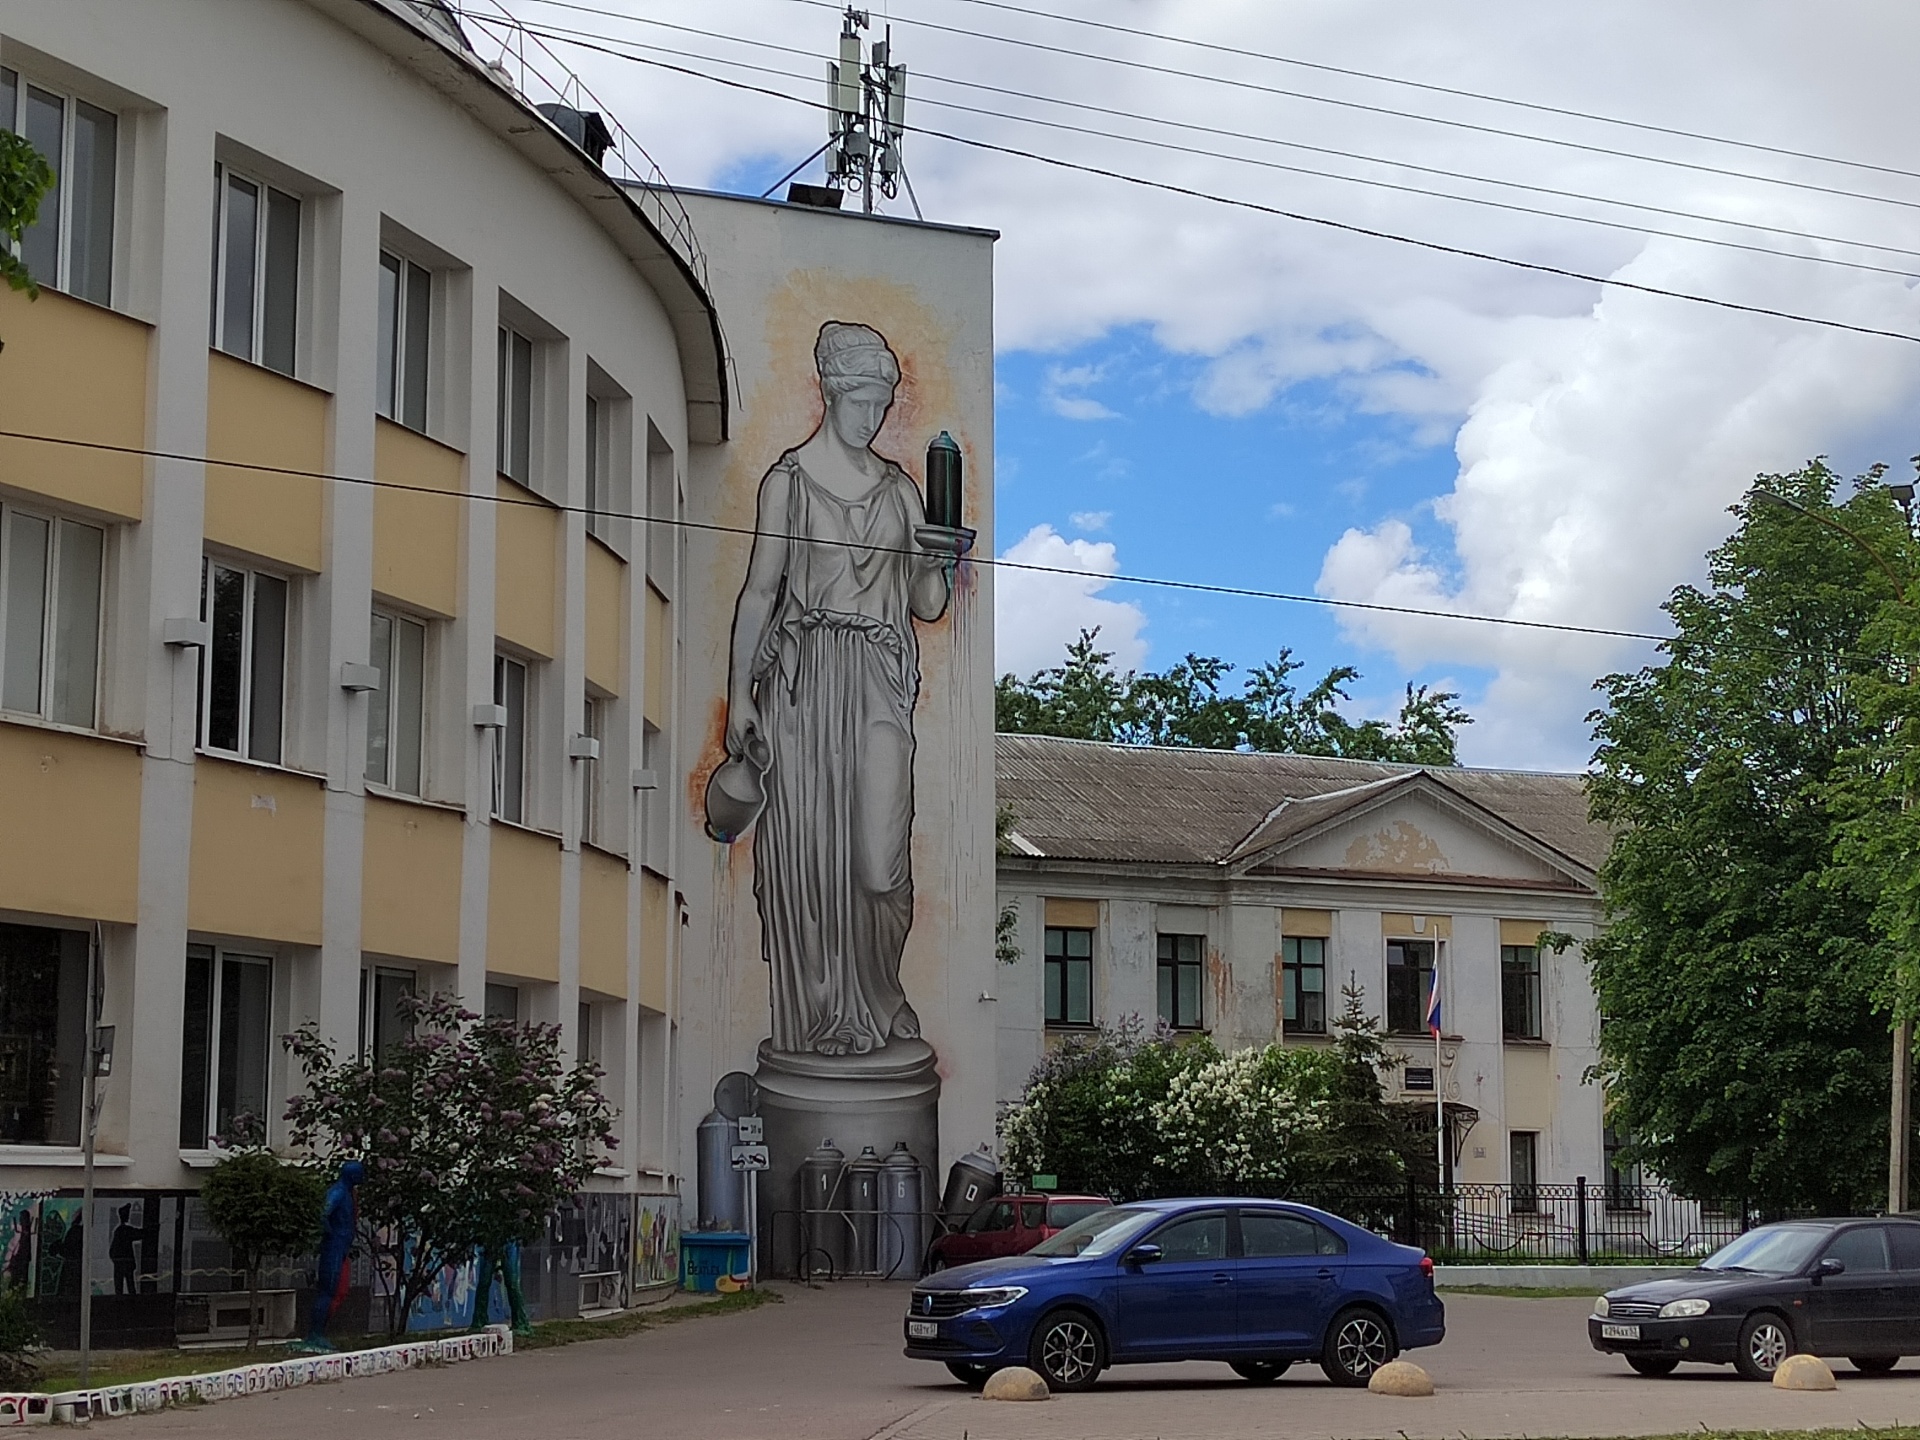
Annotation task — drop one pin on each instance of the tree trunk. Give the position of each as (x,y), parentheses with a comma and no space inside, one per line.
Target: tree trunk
(253,1306)
(483,1270)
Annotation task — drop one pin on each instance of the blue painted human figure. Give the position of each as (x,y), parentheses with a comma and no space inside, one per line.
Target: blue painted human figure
(507,1266)
(336,1240)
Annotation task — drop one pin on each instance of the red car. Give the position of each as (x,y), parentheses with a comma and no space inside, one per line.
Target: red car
(1011,1225)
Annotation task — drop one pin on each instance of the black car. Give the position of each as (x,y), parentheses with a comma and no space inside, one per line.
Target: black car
(1849,1288)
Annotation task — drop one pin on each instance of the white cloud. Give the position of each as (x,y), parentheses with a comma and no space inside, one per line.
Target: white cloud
(1062,387)
(1090,520)
(1036,614)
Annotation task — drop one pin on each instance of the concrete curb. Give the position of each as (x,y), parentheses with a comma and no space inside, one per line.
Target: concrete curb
(147,1396)
(1597,1278)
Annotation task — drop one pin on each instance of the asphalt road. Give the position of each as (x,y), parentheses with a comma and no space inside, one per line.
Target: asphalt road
(826,1365)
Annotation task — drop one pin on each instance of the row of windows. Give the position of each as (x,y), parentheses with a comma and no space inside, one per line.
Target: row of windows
(1067,983)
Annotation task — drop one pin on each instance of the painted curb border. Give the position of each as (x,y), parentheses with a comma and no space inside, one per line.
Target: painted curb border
(148,1396)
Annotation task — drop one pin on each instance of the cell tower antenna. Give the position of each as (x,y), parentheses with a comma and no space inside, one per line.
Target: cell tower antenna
(867,113)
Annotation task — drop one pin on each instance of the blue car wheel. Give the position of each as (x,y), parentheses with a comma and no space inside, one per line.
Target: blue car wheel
(1068,1350)
(1358,1343)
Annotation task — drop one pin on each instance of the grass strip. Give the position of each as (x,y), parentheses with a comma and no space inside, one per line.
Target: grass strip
(129,1367)
(1522,1292)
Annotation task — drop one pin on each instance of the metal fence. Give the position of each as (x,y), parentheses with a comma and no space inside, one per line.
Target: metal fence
(1571,1224)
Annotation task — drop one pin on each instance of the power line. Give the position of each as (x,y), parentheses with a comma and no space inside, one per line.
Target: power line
(566,35)
(1230,82)
(1432,88)
(1346,227)
(715,527)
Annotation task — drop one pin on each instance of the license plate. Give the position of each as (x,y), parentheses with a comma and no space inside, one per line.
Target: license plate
(1619,1332)
(930,1330)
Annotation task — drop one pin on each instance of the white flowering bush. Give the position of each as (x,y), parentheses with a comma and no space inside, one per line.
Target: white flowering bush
(1238,1120)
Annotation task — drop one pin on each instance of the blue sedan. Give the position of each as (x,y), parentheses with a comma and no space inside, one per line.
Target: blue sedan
(1258,1284)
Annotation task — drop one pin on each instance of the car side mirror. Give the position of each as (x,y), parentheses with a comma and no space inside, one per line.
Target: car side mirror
(1143,1255)
(1827,1267)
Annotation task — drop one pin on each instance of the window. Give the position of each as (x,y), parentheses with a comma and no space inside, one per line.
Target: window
(1198,1237)
(1523,1154)
(1069,976)
(594,726)
(1033,1214)
(381,1022)
(256,270)
(586,1050)
(1520,991)
(654,813)
(1409,980)
(226,1042)
(510,743)
(243,694)
(1303,996)
(1623,1174)
(503,1002)
(601,500)
(514,411)
(69,246)
(50,574)
(1276,1235)
(997,1216)
(1863,1250)
(43,1029)
(406,321)
(1178,970)
(396,711)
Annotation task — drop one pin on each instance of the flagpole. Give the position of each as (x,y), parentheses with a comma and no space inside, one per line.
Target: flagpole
(1439,1100)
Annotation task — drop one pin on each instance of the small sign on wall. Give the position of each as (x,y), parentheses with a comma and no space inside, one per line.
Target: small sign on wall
(1418,1077)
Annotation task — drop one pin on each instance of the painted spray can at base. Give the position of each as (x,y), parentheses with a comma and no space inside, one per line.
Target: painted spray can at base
(903,1242)
(863,1210)
(823,1234)
(722,1194)
(971,1183)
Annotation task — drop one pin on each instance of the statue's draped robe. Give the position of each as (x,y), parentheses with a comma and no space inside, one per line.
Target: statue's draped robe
(837,667)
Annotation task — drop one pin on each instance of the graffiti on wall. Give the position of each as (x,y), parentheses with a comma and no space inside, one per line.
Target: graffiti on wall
(656,1241)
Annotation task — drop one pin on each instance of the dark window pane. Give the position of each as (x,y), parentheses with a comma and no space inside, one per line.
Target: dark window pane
(1906,1246)
(1862,1250)
(246,990)
(1522,1171)
(1168,1015)
(1201,1237)
(419,327)
(280,300)
(43,989)
(387,337)
(520,465)
(9,98)
(90,263)
(1079,992)
(1056,942)
(26,613)
(1272,1235)
(76,641)
(503,1002)
(196,1048)
(46,128)
(389,988)
(1079,943)
(1189,996)
(1056,981)
(510,758)
(409,678)
(239,256)
(269,668)
(226,658)
(379,702)
(502,387)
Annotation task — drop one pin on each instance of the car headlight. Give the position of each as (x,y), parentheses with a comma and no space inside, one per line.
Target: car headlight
(1681,1309)
(987,1296)
(1600,1307)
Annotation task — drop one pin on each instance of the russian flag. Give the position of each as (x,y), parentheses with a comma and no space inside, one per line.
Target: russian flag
(1433,998)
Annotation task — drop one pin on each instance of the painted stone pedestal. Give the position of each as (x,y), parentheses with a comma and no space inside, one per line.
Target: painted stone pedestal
(879,1099)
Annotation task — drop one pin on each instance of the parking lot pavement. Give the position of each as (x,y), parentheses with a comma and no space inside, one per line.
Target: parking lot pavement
(826,1365)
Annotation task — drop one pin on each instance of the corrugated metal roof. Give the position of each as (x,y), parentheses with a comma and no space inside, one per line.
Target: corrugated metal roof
(1084,800)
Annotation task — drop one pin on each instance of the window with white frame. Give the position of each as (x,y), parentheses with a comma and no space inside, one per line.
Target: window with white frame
(514,410)
(406,323)
(383,1016)
(502,1002)
(586,1043)
(50,583)
(244,675)
(256,270)
(69,246)
(510,740)
(599,459)
(226,1043)
(396,711)
(609,467)
(43,1033)
(594,726)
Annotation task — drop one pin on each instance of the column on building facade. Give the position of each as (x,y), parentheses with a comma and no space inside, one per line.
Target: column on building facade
(1249,946)
(1474,990)
(1125,980)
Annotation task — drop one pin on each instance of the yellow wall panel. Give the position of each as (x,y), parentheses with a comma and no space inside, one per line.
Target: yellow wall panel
(1306,923)
(410,881)
(527,567)
(416,538)
(80,372)
(266,419)
(656,939)
(1521,932)
(658,699)
(606,608)
(258,849)
(1529,1087)
(1076,914)
(70,840)
(523,905)
(1400,927)
(603,923)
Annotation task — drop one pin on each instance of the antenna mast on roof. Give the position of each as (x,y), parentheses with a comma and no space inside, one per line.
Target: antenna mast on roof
(867,115)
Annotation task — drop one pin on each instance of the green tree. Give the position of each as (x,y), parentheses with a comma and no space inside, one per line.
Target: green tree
(1190,704)
(1366,1142)
(1740,1045)
(25,176)
(263,1208)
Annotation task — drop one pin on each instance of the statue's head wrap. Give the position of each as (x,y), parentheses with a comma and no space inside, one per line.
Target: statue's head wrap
(854,357)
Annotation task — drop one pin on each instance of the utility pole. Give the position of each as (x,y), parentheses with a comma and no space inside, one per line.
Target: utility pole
(1900,1111)
(867,114)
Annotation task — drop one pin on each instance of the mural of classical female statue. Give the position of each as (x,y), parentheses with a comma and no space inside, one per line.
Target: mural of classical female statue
(823,674)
